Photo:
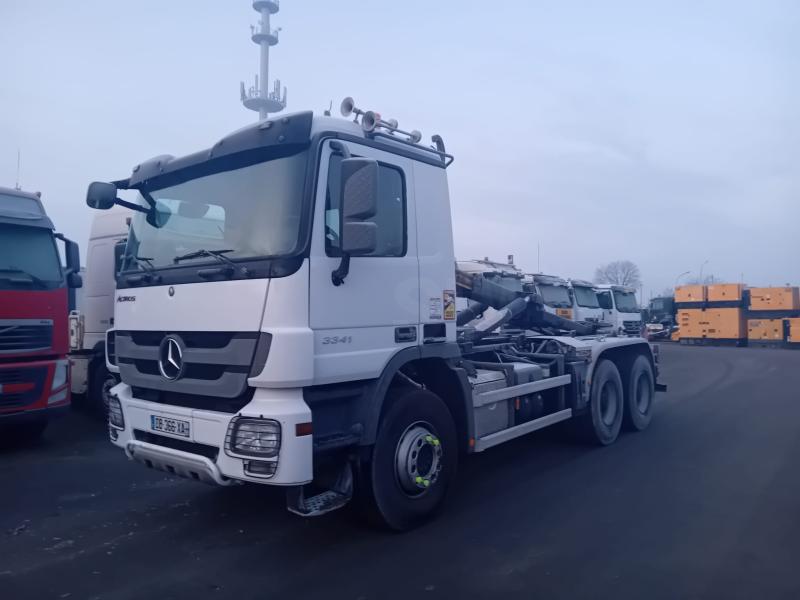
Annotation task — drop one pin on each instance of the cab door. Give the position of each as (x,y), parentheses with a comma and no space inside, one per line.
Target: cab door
(359,325)
(606,300)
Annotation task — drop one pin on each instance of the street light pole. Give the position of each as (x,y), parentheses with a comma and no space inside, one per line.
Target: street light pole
(701,271)
(679,276)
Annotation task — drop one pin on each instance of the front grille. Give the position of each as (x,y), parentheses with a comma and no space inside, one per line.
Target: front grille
(209,452)
(214,374)
(210,403)
(11,379)
(25,335)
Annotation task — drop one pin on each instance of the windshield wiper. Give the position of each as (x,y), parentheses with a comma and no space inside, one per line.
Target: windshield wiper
(219,255)
(146,264)
(34,279)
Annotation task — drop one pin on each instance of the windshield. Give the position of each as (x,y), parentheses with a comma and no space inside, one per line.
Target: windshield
(660,305)
(28,258)
(555,295)
(626,302)
(252,212)
(586,297)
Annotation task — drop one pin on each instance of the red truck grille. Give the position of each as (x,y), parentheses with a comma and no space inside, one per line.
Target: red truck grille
(25,335)
(21,387)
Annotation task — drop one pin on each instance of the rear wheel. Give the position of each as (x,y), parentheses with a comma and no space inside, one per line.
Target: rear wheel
(601,424)
(413,461)
(640,394)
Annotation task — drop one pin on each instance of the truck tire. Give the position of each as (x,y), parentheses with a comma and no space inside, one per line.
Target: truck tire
(99,385)
(601,423)
(413,461)
(640,394)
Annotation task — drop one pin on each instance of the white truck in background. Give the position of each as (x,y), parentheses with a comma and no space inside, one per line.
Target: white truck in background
(90,379)
(585,305)
(620,309)
(286,315)
(555,294)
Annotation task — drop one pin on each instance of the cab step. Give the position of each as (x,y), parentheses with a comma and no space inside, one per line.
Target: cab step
(323,502)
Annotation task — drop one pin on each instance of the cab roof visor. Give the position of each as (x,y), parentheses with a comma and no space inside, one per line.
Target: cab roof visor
(265,140)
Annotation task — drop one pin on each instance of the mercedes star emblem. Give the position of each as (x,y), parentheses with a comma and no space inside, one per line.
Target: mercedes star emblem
(170,358)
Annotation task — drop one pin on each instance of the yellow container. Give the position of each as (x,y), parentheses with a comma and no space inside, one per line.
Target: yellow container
(775,298)
(726,324)
(765,329)
(725,292)
(794,330)
(690,293)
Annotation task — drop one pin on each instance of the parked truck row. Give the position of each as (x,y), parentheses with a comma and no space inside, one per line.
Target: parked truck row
(285,314)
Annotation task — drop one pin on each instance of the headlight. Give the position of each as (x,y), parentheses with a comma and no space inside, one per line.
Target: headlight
(115,416)
(254,437)
(60,374)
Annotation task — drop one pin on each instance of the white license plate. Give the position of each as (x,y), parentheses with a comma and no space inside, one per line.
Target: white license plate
(171,426)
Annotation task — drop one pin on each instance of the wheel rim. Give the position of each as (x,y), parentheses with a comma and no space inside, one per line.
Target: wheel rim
(643,396)
(418,459)
(609,404)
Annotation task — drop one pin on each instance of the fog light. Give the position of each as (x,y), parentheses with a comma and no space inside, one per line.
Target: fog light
(115,416)
(258,468)
(58,397)
(254,437)
(59,374)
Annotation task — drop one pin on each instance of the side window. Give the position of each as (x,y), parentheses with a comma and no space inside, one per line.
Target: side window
(390,217)
(604,299)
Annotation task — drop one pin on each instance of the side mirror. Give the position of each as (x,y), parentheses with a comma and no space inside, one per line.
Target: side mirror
(74,280)
(101,195)
(359,198)
(73,256)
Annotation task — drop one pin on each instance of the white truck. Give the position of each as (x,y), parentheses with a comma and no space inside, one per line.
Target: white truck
(285,315)
(620,309)
(90,379)
(585,305)
(555,294)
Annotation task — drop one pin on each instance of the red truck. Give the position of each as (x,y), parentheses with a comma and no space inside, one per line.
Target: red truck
(34,309)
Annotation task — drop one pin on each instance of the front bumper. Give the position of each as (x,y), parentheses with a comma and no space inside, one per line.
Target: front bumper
(204,455)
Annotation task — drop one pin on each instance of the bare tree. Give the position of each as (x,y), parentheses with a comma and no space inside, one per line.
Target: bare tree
(619,272)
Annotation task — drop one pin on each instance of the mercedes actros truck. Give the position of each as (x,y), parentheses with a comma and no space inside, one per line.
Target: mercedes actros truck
(286,315)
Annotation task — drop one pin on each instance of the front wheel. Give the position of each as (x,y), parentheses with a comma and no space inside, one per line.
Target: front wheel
(100,387)
(413,461)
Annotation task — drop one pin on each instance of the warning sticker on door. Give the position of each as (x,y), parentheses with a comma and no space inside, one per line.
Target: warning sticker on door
(449,301)
(434,308)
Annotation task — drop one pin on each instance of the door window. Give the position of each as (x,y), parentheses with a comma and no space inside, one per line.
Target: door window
(390,216)
(604,299)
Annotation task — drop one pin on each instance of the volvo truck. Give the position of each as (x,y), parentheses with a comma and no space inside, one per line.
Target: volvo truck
(34,303)
(286,315)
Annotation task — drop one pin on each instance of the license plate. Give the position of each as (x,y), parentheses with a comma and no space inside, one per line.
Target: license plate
(171,426)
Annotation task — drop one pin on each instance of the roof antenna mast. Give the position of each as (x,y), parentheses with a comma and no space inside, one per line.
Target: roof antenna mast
(259,98)
(16,184)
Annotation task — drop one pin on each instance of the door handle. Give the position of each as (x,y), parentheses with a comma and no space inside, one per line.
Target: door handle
(405,334)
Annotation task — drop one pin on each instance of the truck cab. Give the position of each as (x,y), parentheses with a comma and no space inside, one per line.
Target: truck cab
(285,314)
(620,308)
(34,374)
(90,379)
(555,294)
(585,305)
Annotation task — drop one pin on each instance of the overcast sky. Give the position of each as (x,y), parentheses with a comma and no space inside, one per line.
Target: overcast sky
(667,133)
